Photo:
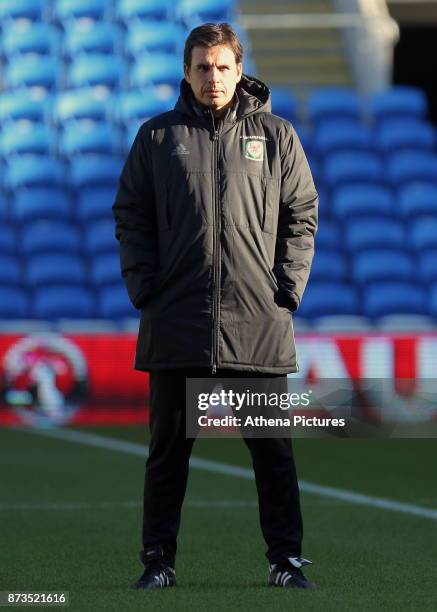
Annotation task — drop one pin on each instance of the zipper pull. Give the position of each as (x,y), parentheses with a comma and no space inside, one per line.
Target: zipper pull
(216,135)
(214,369)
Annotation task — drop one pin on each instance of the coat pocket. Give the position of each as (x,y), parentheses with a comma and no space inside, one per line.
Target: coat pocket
(269,207)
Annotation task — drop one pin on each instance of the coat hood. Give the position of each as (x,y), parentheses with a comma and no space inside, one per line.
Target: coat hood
(253,97)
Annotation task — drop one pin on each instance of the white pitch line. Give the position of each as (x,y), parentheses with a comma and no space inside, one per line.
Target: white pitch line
(217,467)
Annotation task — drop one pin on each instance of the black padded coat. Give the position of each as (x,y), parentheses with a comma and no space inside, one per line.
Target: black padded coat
(216,222)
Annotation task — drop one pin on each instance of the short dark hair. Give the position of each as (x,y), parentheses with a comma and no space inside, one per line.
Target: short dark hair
(211,35)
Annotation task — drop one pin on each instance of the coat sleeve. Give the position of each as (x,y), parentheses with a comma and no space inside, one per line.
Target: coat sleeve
(297,223)
(135,222)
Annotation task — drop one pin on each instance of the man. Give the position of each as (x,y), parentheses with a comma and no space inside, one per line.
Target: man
(216,214)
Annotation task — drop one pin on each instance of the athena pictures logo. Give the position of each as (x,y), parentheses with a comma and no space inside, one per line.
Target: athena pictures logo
(45,378)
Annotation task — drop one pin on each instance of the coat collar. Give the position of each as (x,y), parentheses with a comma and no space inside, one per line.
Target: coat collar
(253,96)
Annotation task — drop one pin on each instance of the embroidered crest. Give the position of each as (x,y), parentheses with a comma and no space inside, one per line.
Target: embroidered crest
(254,149)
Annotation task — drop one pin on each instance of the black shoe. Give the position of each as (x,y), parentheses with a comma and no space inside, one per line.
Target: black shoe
(288,574)
(157,574)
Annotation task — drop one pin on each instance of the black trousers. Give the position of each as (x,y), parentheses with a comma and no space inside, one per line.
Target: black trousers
(167,471)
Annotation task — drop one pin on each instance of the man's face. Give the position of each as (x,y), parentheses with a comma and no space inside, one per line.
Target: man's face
(213,75)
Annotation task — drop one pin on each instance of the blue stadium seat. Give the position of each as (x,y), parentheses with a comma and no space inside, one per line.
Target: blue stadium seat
(63,301)
(357,167)
(10,271)
(432,302)
(329,298)
(87,170)
(398,102)
(325,207)
(24,104)
(153,36)
(113,303)
(89,137)
(328,103)
(130,10)
(337,135)
(56,268)
(67,10)
(28,170)
(93,69)
(328,236)
(284,104)
(397,134)
(45,236)
(4,207)
(131,132)
(8,239)
(422,232)
(383,264)
(418,199)
(95,203)
(249,65)
(315,167)
(105,269)
(195,12)
(143,104)
(428,265)
(161,68)
(99,236)
(85,103)
(40,203)
(384,298)
(86,36)
(14,303)
(406,322)
(306,135)
(32,71)
(412,166)
(362,199)
(329,265)
(374,231)
(27,137)
(27,37)
(33,10)
(338,324)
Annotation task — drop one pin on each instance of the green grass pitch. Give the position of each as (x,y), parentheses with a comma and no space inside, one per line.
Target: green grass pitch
(70,519)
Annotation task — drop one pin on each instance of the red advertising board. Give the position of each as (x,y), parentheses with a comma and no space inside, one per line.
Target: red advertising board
(89,378)
(71,378)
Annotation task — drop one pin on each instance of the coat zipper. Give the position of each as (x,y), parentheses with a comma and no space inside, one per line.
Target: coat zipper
(215,250)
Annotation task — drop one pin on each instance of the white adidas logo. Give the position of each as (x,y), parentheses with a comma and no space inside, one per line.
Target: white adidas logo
(180,149)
